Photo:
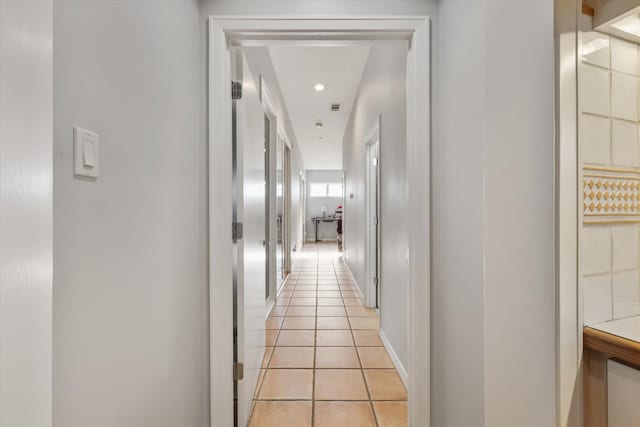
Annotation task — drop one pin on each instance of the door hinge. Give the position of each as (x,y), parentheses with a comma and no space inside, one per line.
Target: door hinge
(238,371)
(236,231)
(236,90)
(375,281)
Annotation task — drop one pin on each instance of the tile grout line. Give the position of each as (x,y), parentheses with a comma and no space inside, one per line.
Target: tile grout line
(364,378)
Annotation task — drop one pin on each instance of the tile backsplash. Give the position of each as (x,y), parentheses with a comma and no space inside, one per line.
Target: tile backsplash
(609,149)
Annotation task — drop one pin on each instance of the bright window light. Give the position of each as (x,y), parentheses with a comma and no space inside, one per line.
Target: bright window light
(335,190)
(325,189)
(630,24)
(318,189)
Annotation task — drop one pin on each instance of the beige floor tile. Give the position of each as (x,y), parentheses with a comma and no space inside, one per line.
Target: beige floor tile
(328,338)
(329,288)
(385,384)
(391,414)
(292,357)
(306,287)
(304,294)
(279,414)
(297,310)
(337,358)
(267,356)
(374,357)
(333,323)
(303,301)
(329,294)
(295,322)
(287,384)
(364,322)
(349,294)
(282,301)
(367,338)
(278,311)
(340,384)
(274,322)
(336,302)
(270,336)
(296,338)
(259,383)
(331,311)
(352,302)
(343,414)
(361,311)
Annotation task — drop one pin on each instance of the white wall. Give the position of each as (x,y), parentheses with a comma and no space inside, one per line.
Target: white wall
(382,92)
(260,62)
(493,283)
(326,231)
(26,90)
(130,250)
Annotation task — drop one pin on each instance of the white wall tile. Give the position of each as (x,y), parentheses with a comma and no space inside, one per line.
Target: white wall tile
(596,249)
(626,252)
(595,91)
(626,294)
(624,143)
(595,48)
(624,56)
(624,97)
(595,139)
(596,291)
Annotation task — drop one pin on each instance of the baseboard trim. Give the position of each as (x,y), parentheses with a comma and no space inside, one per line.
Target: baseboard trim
(395,359)
(271,302)
(353,279)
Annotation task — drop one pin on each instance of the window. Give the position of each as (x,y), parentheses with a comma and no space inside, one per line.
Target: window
(334,190)
(325,189)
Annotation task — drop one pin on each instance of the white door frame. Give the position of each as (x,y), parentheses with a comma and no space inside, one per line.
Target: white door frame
(566,222)
(226,31)
(372,235)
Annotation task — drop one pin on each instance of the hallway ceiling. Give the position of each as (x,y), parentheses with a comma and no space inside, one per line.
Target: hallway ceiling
(340,70)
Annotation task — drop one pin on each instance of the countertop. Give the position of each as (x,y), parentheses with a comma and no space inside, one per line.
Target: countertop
(618,339)
(628,328)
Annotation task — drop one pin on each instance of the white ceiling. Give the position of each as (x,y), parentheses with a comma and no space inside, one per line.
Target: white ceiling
(339,69)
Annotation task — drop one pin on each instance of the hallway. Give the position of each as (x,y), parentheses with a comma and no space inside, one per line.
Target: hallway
(324,364)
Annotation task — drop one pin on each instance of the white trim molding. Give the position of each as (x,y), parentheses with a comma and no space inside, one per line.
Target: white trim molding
(402,372)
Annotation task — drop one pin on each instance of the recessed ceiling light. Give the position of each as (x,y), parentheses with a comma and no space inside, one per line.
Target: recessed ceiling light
(319,125)
(319,87)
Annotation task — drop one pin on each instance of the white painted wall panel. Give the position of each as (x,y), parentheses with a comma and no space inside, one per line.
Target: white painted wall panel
(26,91)
(131,294)
(457,301)
(519,210)
(382,92)
(623,385)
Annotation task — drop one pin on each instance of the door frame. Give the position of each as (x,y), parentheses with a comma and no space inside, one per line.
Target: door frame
(271,147)
(227,31)
(372,236)
(569,411)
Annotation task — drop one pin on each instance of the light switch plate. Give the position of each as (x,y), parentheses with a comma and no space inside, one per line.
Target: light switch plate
(86,149)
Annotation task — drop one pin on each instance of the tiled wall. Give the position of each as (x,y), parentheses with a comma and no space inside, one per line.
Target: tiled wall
(609,151)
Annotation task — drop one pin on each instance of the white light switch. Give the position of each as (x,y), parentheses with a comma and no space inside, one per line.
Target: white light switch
(86,153)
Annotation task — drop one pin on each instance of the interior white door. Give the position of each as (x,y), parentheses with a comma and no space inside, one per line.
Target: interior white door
(250,199)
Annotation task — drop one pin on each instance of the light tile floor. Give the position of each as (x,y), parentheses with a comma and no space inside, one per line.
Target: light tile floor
(325,364)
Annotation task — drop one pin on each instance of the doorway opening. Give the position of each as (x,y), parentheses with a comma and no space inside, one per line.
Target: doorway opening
(225,37)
